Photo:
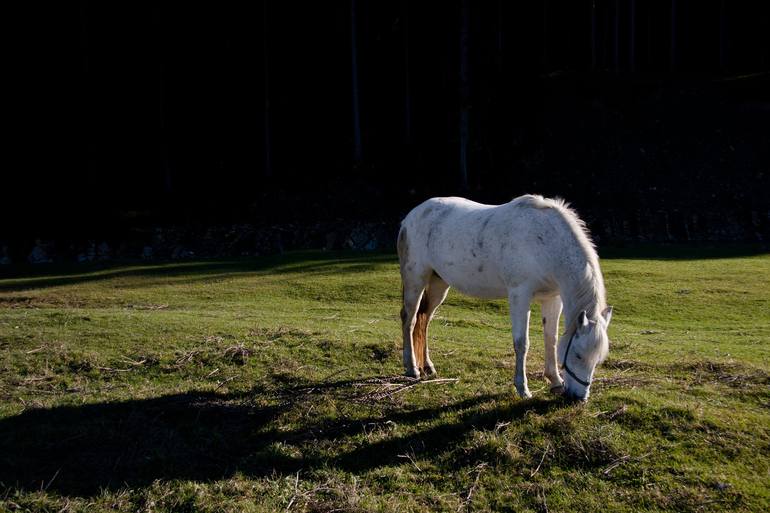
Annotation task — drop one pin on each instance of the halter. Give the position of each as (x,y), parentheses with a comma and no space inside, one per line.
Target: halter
(567,369)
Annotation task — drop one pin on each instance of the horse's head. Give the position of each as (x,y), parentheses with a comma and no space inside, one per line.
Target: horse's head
(580,353)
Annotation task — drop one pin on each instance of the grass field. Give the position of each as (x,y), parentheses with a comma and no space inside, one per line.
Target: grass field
(271,384)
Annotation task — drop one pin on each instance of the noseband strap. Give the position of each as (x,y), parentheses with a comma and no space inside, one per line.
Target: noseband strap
(567,369)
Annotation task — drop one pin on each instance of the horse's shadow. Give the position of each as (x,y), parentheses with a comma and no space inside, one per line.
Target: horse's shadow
(206,436)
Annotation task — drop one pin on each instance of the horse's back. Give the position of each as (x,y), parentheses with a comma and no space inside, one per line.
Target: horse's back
(482,250)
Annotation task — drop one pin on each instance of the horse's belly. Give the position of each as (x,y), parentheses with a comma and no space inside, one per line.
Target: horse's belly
(482,291)
(473,282)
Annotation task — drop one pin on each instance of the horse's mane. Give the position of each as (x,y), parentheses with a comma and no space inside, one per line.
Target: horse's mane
(589,291)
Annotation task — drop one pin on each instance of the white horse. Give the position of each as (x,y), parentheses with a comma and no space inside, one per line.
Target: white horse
(530,248)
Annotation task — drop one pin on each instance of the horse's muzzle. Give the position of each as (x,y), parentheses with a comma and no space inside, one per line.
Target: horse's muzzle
(574,398)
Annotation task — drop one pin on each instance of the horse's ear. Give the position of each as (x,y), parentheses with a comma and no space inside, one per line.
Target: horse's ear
(607,315)
(582,321)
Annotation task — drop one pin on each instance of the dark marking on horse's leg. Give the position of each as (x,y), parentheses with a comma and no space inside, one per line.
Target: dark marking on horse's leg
(543,321)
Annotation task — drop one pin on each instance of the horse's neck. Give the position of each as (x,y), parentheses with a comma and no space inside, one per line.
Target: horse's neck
(581,288)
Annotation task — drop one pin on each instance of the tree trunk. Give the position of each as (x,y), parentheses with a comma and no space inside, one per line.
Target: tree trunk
(84,91)
(499,36)
(616,37)
(84,35)
(649,38)
(606,39)
(763,47)
(674,52)
(632,37)
(594,47)
(407,79)
(464,92)
(357,145)
(723,37)
(268,170)
(545,37)
(165,165)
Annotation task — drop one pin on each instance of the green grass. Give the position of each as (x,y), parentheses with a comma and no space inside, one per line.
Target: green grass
(259,385)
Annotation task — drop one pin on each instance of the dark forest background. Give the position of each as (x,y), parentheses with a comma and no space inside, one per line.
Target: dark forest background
(650,116)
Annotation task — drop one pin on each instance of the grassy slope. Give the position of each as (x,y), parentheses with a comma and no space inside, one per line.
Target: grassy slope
(247,386)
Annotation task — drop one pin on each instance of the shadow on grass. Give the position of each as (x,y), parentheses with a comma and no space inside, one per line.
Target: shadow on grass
(206,436)
(26,277)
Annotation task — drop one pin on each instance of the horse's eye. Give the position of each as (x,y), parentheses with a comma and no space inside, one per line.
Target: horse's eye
(578,356)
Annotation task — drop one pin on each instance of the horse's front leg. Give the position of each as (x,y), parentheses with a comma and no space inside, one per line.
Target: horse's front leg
(518,303)
(551,312)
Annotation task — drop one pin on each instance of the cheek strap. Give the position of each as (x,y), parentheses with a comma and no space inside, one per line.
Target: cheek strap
(567,369)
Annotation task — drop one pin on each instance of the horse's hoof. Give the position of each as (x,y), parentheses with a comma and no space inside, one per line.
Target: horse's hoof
(412,373)
(429,372)
(526,394)
(557,390)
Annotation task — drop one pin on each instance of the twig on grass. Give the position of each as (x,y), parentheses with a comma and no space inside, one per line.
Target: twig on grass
(111,369)
(410,457)
(615,464)
(136,363)
(537,469)
(623,459)
(469,497)
(238,352)
(293,497)
(148,307)
(612,414)
(500,425)
(186,357)
(37,390)
(223,383)
(390,389)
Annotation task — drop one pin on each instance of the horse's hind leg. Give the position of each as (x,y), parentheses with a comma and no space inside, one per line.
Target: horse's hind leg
(412,312)
(435,295)
(415,277)
(551,311)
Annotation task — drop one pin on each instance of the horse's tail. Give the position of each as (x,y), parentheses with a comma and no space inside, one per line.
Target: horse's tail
(402,246)
(420,332)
